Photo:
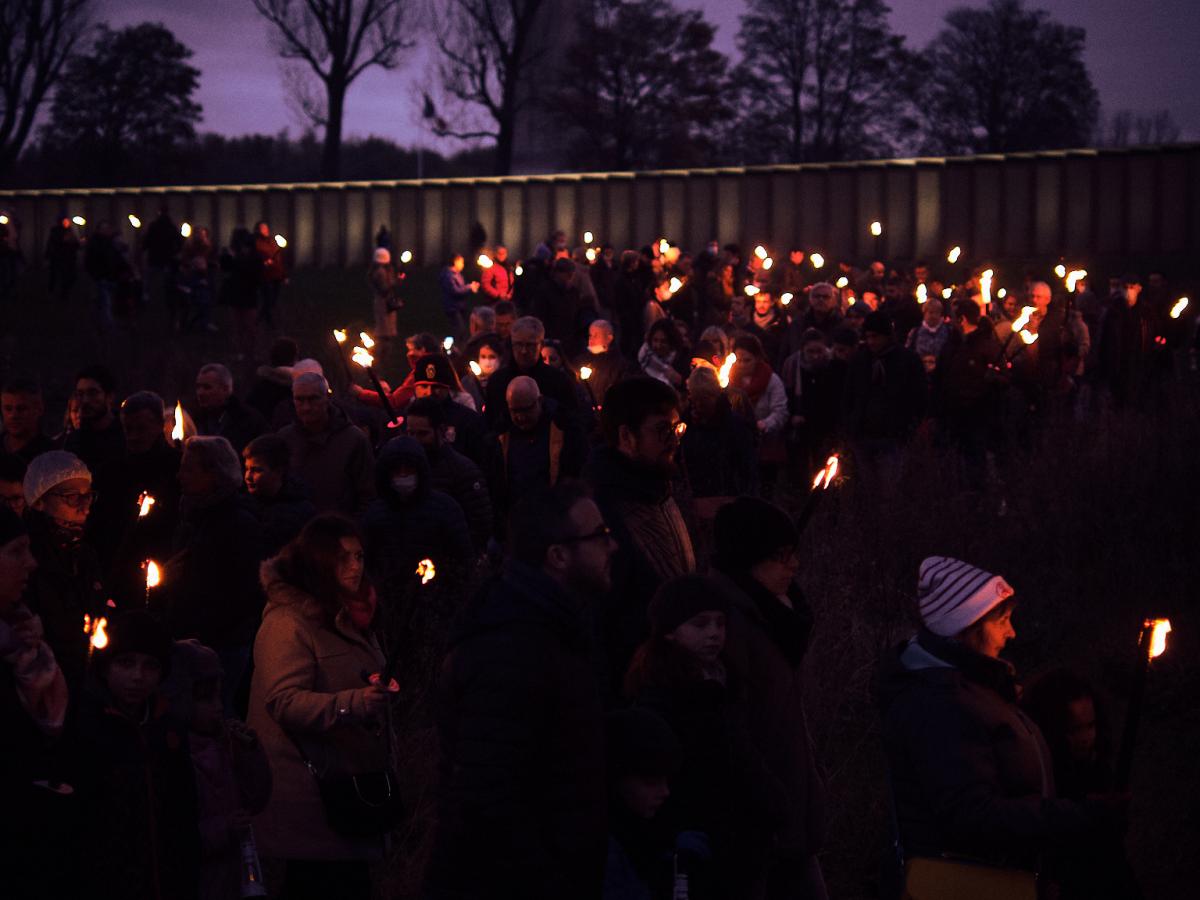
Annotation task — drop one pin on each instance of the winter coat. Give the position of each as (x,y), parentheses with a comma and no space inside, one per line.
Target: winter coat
(64,588)
(771,334)
(970,772)
(137,797)
(97,446)
(270,390)
(771,408)
(607,368)
(237,422)
(928,341)
(455,475)
(307,673)
(282,516)
(718,457)
(764,651)
(553,383)
(497,282)
(523,461)
(401,531)
(243,275)
(653,546)
(522,796)
(885,395)
(1127,348)
(966,378)
(336,465)
(455,292)
(210,586)
(271,255)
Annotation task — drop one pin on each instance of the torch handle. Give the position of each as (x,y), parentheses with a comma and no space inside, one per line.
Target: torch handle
(810,507)
(383,397)
(1124,768)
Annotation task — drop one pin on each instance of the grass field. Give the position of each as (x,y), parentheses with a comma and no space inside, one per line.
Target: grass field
(1094,524)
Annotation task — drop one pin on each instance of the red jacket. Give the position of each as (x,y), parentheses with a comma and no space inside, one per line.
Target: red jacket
(497,282)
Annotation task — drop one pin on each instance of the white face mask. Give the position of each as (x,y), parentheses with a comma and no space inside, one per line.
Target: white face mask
(404,485)
(489,366)
(596,349)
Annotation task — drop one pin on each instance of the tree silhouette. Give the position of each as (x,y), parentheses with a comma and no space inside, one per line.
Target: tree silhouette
(1006,78)
(643,88)
(36,39)
(337,40)
(1127,129)
(125,103)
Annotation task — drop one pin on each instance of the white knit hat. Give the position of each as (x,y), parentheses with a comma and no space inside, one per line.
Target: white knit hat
(954,595)
(49,470)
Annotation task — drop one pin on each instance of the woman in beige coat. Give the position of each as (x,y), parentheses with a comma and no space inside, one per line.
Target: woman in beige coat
(313,648)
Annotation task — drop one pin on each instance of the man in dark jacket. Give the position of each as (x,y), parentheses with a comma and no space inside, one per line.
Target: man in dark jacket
(604,358)
(823,314)
(466,430)
(521,807)
(277,498)
(219,412)
(967,384)
(99,438)
(271,391)
(124,538)
(450,471)
(528,334)
(885,392)
(563,309)
(631,476)
(210,588)
(1129,354)
(410,521)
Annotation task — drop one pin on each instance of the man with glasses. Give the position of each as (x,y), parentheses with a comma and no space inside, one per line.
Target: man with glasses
(631,476)
(66,585)
(99,438)
(521,805)
(528,335)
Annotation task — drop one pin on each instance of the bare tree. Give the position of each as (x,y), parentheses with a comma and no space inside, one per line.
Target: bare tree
(1127,129)
(36,38)
(337,40)
(489,49)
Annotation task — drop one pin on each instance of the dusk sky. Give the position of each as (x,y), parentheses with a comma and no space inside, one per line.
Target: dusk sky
(1142,55)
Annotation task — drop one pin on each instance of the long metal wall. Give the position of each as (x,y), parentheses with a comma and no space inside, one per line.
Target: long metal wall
(1083,204)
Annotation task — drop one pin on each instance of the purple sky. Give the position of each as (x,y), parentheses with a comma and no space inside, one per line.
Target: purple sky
(1142,56)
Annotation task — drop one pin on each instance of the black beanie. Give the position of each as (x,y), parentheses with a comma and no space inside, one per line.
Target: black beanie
(138,632)
(749,530)
(879,322)
(12,526)
(681,598)
(639,742)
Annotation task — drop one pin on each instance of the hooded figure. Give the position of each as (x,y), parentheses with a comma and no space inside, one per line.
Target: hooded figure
(410,521)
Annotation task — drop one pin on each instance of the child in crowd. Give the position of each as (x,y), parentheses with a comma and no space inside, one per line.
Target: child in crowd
(233,777)
(136,791)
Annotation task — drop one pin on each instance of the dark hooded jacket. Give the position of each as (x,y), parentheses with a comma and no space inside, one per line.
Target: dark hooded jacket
(401,531)
(283,515)
(521,810)
(653,546)
(970,772)
(456,475)
(885,395)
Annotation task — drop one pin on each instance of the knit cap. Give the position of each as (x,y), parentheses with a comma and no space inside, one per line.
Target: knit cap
(639,742)
(953,595)
(12,526)
(51,469)
(681,598)
(137,631)
(749,530)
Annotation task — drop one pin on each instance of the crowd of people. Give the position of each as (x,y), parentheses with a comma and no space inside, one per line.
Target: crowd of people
(202,614)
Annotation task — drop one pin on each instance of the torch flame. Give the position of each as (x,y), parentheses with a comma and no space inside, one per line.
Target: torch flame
(100,634)
(590,253)
(448,343)
(675,285)
(877,228)
(426,570)
(1002,293)
(827,473)
(1073,278)
(585,372)
(680,429)
(588,237)
(1060,270)
(786,298)
(947,293)
(817,260)
(177,431)
(476,370)
(663,246)
(134,221)
(922,293)
(367,340)
(1158,638)
(954,254)
(339,335)
(750,290)
(79,220)
(485,261)
(760,251)
(406,257)
(3,219)
(280,241)
(145,504)
(362,357)
(186,229)
(153,574)
(1022,320)
(843,282)
(1028,338)
(985,286)
(767,263)
(1180,305)
(726,368)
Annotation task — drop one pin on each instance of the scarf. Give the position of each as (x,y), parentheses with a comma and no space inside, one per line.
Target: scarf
(765,321)
(997,674)
(755,382)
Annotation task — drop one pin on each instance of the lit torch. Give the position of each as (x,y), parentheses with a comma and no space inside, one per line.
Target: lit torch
(476,369)
(985,287)
(588,237)
(280,241)
(1180,305)
(1074,277)
(674,285)
(954,254)
(425,572)
(186,229)
(751,290)
(177,431)
(406,257)
(1152,643)
(922,294)
(134,221)
(153,578)
(80,221)
(786,298)
(585,374)
(484,261)
(842,283)
(817,260)
(97,634)
(362,357)
(761,252)
(1060,270)
(876,229)
(145,504)
(821,483)
(339,338)
(726,368)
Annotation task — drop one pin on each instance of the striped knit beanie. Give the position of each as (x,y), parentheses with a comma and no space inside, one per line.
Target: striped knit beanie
(953,595)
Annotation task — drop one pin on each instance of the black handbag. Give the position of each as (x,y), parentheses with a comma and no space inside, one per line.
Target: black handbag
(362,805)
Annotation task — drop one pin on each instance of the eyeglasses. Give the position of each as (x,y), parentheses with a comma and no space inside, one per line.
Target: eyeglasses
(664,431)
(74,499)
(601,533)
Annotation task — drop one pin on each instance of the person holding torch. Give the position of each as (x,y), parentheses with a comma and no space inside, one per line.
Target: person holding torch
(970,773)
